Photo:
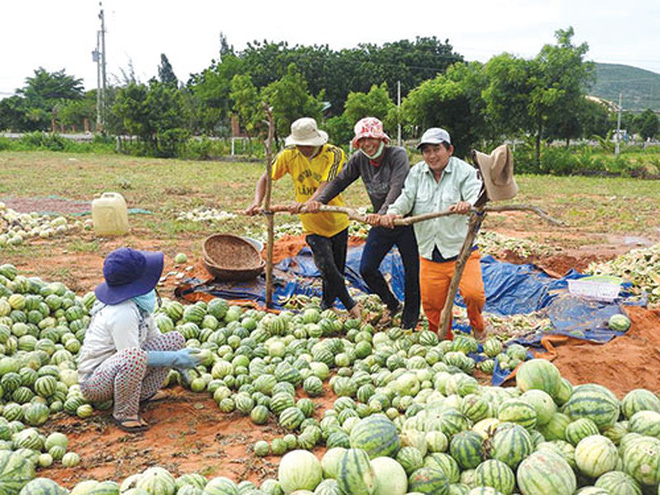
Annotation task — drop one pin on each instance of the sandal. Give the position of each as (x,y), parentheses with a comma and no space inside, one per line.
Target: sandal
(130,425)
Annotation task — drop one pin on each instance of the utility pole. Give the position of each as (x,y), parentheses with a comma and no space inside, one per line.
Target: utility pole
(98,56)
(617,146)
(398,105)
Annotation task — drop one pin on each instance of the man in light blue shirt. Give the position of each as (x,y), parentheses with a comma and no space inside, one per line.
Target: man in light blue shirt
(442,182)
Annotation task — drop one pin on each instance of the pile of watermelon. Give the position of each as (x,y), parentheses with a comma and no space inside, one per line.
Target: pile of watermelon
(409,416)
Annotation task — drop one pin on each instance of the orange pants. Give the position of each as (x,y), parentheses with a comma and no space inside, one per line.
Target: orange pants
(434,279)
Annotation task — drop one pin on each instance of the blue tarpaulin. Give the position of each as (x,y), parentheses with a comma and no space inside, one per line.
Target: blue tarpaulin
(510,289)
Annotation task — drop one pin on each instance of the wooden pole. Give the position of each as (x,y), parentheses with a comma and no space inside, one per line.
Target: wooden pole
(270,218)
(446,315)
(354,215)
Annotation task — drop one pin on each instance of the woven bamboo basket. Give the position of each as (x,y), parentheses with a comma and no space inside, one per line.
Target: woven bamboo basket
(230,257)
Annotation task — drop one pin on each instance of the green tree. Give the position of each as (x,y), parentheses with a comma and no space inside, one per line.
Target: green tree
(594,119)
(451,101)
(209,100)
(74,113)
(156,114)
(559,77)
(166,73)
(36,105)
(291,100)
(646,124)
(247,105)
(376,103)
(506,95)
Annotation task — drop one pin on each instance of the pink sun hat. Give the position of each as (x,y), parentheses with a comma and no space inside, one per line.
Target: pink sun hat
(369,127)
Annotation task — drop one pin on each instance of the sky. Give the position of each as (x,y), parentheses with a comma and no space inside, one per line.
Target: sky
(61,34)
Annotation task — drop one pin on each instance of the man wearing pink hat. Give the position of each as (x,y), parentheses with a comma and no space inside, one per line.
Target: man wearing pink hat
(383,170)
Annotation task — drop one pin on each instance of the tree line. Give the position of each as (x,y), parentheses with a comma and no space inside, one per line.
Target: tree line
(542,99)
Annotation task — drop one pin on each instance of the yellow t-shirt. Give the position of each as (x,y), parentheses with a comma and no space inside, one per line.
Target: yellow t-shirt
(307,175)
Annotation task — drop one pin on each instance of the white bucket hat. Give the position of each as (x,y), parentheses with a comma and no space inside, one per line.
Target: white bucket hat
(434,135)
(304,132)
(497,172)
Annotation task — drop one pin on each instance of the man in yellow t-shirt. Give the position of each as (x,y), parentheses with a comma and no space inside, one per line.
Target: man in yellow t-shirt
(310,161)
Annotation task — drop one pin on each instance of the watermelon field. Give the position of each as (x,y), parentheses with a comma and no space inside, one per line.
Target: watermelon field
(307,401)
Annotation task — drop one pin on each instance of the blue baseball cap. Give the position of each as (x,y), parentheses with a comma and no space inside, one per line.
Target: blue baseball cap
(129,273)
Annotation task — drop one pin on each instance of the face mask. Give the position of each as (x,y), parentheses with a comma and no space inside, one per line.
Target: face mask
(146,302)
(378,152)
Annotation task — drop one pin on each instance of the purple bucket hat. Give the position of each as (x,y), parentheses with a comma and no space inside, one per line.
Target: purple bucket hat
(129,273)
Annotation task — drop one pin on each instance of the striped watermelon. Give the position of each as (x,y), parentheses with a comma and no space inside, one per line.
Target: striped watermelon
(446,463)
(579,429)
(410,459)
(466,447)
(377,435)
(639,400)
(595,455)
(562,448)
(355,474)
(555,429)
(542,403)
(517,411)
(643,422)
(428,480)
(510,444)
(538,374)
(220,486)
(330,461)
(291,418)
(594,402)
(497,475)
(545,473)
(391,479)
(619,483)
(15,471)
(157,480)
(43,486)
(299,470)
(641,458)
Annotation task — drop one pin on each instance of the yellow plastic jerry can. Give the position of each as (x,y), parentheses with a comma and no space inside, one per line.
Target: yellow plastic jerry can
(109,214)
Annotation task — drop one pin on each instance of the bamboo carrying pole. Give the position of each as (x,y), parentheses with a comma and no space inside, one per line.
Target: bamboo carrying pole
(476,217)
(269,216)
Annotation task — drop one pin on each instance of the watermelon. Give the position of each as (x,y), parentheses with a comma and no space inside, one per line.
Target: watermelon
(410,459)
(645,423)
(355,474)
(497,475)
(594,402)
(538,374)
(564,449)
(641,459)
(517,411)
(15,472)
(466,447)
(639,400)
(542,403)
(510,444)
(299,470)
(428,480)
(377,435)
(42,486)
(619,483)
(390,477)
(545,473)
(330,461)
(618,323)
(595,455)
(445,463)
(220,485)
(579,429)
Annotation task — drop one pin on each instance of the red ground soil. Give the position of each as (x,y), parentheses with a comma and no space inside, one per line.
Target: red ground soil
(188,433)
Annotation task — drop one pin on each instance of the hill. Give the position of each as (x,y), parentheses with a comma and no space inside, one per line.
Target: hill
(640,88)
